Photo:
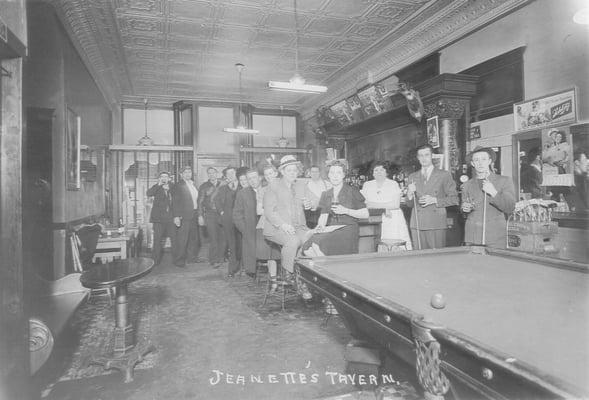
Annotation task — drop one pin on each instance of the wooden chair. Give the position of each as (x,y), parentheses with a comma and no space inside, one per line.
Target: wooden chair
(84,241)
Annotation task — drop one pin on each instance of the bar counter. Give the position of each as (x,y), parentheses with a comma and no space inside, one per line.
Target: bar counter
(573,235)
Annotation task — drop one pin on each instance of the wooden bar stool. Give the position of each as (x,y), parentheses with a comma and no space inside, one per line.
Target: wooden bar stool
(279,287)
(391,245)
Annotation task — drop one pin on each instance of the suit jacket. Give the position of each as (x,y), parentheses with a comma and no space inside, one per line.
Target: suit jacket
(439,185)
(182,204)
(245,220)
(205,197)
(281,206)
(224,200)
(162,203)
(497,208)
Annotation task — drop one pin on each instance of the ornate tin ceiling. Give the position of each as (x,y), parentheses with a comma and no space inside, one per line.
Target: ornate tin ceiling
(169,50)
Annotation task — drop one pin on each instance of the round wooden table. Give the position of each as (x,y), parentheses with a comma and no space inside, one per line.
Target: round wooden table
(118,274)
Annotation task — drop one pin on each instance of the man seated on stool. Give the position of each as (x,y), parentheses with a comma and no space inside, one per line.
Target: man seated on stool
(496,191)
(284,215)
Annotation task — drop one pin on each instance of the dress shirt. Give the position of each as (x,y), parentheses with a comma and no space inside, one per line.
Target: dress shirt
(317,187)
(427,172)
(193,193)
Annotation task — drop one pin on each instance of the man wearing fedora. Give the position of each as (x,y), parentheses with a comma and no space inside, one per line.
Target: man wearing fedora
(185,213)
(490,194)
(284,213)
(433,190)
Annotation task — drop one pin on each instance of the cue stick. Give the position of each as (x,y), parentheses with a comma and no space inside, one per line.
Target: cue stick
(484,216)
(416,218)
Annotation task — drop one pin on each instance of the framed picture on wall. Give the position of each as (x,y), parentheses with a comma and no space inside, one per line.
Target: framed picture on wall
(72,146)
(433,135)
(542,112)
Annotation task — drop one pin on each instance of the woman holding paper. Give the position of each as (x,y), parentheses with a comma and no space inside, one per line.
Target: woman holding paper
(341,208)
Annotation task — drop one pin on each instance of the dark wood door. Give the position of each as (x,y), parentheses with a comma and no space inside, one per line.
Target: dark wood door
(37,192)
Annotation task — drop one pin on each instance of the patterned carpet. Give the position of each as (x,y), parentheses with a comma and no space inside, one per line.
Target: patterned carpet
(201,322)
(94,322)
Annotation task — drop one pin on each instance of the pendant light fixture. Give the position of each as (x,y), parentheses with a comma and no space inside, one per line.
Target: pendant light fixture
(145,140)
(297,83)
(241,126)
(282,142)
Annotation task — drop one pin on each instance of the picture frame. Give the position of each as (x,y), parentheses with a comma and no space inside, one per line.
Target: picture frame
(433,133)
(475,132)
(558,108)
(72,146)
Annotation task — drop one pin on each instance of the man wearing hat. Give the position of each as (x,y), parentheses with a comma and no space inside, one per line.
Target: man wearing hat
(490,194)
(284,222)
(429,192)
(185,213)
(161,215)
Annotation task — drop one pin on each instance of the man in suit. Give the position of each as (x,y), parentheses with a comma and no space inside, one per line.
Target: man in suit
(161,215)
(487,194)
(185,213)
(209,217)
(284,215)
(224,199)
(245,219)
(433,190)
(578,198)
(531,174)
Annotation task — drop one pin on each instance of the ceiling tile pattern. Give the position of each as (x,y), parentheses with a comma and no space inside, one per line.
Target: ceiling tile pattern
(169,50)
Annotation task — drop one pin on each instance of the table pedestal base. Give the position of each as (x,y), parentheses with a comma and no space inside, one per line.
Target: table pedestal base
(125,362)
(124,340)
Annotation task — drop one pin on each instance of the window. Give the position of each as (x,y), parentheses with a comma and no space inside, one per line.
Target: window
(160,126)
(271,129)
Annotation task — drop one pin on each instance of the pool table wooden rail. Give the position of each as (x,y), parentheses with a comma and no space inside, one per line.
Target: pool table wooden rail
(479,370)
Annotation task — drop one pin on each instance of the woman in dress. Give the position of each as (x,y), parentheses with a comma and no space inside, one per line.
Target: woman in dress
(340,205)
(384,193)
(313,191)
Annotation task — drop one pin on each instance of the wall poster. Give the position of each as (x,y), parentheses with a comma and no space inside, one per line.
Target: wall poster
(555,109)
(557,157)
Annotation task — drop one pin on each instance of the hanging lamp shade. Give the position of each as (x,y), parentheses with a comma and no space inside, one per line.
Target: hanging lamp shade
(241,126)
(282,142)
(297,83)
(145,140)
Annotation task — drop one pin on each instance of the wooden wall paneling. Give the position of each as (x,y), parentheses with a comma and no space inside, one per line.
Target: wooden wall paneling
(14,346)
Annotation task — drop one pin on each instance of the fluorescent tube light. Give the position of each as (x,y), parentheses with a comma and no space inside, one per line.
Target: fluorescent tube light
(241,130)
(296,87)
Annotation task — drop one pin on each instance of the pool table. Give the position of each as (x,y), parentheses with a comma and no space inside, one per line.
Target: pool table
(512,325)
